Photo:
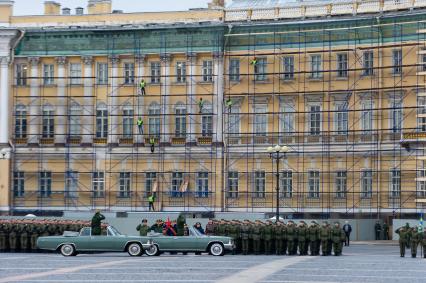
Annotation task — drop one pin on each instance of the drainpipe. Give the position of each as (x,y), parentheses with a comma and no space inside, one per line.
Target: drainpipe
(380,114)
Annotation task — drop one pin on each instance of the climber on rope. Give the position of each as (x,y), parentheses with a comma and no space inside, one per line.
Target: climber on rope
(142,87)
(253,62)
(140,125)
(229,103)
(152,143)
(201,105)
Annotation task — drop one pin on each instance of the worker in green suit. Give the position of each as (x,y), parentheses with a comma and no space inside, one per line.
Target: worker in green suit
(403,237)
(143,228)
(256,236)
(338,237)
(291,237)
(142,86)
(180,223)
(325,235)
(314,236)
(245,236)
(415,240)
(96,223)
(268,236)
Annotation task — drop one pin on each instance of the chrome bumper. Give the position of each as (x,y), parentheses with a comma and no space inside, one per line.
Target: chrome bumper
(229,247)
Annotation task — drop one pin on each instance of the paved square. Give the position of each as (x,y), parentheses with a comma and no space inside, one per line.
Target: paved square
(360,263)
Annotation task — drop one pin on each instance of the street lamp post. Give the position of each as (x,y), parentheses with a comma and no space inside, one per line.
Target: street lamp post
(277,153)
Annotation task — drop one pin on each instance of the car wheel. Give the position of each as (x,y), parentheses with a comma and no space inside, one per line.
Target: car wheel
(216,249)
(134,249)
(152,251)
(68,250)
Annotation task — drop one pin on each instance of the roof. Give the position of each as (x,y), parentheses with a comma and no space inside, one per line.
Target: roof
(256,4)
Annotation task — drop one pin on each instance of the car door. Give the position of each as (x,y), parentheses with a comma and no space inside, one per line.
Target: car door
(83,241)
(108,242)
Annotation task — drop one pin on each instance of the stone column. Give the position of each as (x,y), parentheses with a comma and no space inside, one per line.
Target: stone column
(218,98)
(61,109)
(140,59)
(88,120)
(114,106)
(34,107)
(4,100)
(190,90)
(165,92)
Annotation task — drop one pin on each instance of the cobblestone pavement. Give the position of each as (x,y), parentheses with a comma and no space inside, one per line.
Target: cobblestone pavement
(360,263)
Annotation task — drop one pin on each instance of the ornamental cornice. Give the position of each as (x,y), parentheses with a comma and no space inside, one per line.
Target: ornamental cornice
(61,60)
(34,60)
(87,60)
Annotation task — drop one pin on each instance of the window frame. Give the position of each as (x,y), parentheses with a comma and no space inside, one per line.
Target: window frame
(48,74)
(155,68)
(259,184)
(102,73)
(125,185)
(207,71)
(316,66)
(102,122)
(45,184)
(203,189)
(234,69)
(314,184)
(18,184)
(342,65)
(154,120)
(98,184)
(129,73)
(75,74)
(181,72)
(21,121)
(21,74)
(232,183)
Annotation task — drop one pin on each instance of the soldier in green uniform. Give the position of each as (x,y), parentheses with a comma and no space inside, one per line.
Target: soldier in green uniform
(25,230)
(385,231)
(423,242)
(234,232)
(338,237)
(13,233)
(377,230)
(314,236)
(403,237)
(284,238)
(268,236)
(2,236)
(325,235)
(35,232)
(96,223)
(415,239)
(278,235)
(157,227)
(143,228)
(256,236)
(291,237)
(301,237)
(408,229)
(245,236)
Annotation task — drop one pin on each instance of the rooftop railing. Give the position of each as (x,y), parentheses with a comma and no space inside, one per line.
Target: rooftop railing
(315,9)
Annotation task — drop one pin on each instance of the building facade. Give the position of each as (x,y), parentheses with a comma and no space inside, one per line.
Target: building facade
(342,85)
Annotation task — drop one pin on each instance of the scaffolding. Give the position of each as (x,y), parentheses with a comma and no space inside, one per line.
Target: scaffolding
(341,94)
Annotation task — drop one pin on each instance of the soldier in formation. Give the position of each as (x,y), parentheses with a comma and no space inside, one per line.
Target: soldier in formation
(20,235)
(280,238)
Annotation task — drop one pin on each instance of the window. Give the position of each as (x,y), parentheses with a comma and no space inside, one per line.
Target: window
(154,120)
(368,63)
(102,122)
(71,184)
(234,70)
(260,120)
(75,120)
(102,73)
(397,62)
(313,184)
(180,121)
(341,118)
(20,122)
(314,120)
(395,183)
(45,184)
(259,184)
(233,184)
(150,179)
(21,74)
(316,61)
(202,184)
(367,117)
(125,183)
(18,184)
(423,58)
(342,65)
(128,122)
(155,72)
(48,74)
(48,123)
(341,184)
(286,184)
(177,180)
(98,184)
(421,185)
(366,183)
(234,121)
(421,110)
(129,73)
(207,71)
(287,119)
(288,68)
(207,120)
(180,72)
(260,69)
(75,73)
(396,115)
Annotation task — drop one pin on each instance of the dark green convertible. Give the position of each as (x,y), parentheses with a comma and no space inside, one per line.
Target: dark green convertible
(72,243)
(195,242)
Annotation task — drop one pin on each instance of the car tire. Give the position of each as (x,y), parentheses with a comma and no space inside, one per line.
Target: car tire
(134,249)
(216,249)
(153,251)
(68,250)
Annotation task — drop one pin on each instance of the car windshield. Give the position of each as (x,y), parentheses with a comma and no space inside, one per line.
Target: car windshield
(195,232)
(114,231)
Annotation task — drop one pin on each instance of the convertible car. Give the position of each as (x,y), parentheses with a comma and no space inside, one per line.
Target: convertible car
(195,242)
(72,243)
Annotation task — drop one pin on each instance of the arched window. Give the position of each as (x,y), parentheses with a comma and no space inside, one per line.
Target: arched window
(48,122)
(180,120)
(101,121)
(154,120)
(207,120)
(20,121)
(75,120)
(128,121)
